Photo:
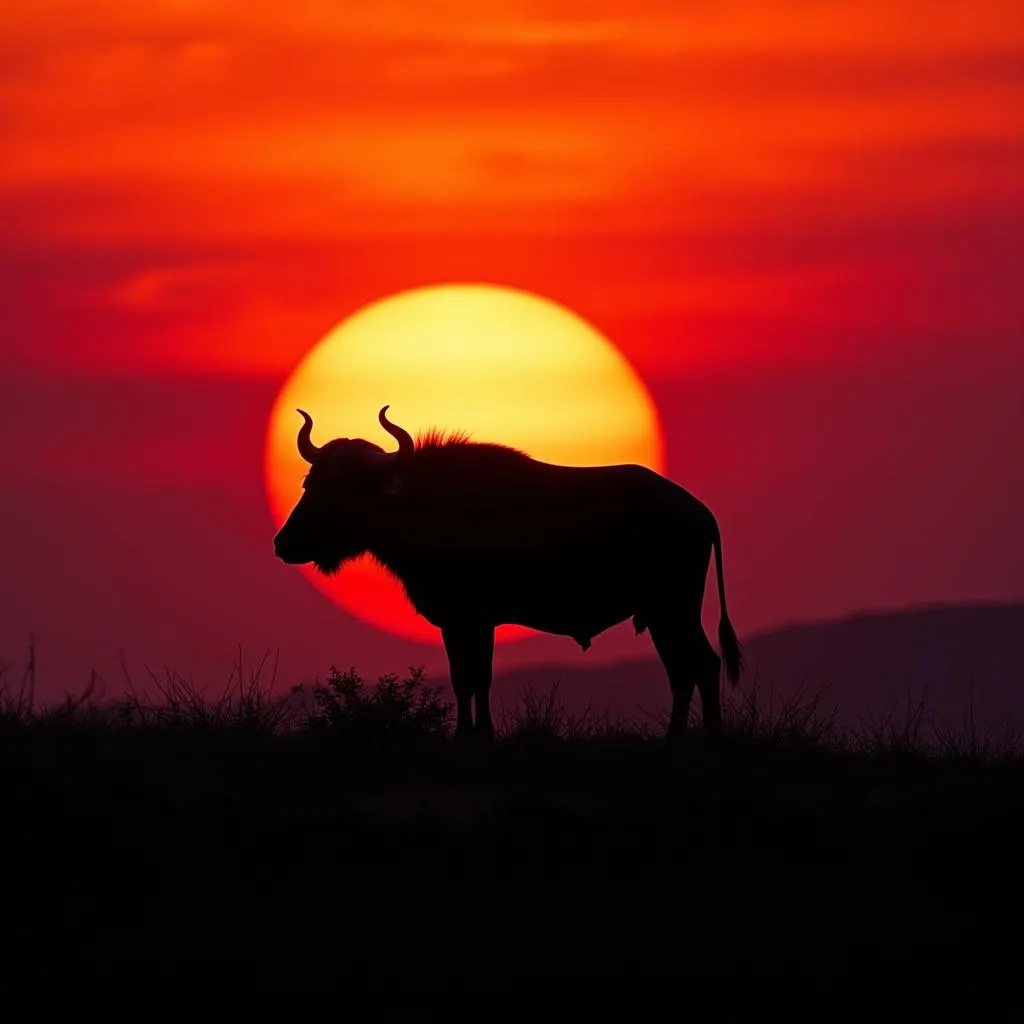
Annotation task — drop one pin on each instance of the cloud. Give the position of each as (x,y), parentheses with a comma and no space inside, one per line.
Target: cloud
(184,181)
(364,102)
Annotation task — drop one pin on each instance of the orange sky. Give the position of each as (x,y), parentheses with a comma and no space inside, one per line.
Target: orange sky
(803,224)
(238,174)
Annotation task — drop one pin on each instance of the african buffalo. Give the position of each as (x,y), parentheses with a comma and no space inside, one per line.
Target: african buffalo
(481,534)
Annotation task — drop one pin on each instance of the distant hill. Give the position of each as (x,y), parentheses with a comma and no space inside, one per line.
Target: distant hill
(873,664)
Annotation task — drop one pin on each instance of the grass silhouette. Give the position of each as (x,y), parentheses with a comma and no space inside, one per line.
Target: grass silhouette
(332,836)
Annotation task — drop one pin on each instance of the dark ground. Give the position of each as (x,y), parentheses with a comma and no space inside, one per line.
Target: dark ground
(148,852)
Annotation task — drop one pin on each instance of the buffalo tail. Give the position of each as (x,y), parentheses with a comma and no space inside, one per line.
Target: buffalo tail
(732,653)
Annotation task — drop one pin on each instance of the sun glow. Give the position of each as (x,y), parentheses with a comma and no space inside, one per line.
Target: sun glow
(501,364)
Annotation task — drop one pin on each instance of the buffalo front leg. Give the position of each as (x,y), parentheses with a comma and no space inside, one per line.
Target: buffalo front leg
(470,650)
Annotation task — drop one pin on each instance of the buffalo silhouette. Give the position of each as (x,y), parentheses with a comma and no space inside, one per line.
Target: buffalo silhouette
(481,534)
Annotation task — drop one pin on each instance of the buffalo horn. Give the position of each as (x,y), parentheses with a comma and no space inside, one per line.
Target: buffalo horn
(307,449)
(403,437)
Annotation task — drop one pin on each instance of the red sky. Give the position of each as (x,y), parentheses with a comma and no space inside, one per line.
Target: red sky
(802,223)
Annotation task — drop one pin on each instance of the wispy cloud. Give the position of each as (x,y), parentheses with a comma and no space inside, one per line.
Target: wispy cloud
(756,143)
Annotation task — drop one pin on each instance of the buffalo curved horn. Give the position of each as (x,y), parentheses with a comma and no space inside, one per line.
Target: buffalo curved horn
(403,437)
(307,449)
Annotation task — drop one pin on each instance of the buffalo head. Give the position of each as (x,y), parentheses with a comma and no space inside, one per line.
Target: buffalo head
(345,493)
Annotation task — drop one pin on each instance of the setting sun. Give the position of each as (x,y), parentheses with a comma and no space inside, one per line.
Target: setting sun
(500,364)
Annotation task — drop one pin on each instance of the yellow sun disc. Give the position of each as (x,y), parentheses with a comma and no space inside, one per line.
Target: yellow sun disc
(501,364)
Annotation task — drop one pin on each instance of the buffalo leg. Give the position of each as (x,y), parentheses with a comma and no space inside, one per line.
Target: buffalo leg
(470,651)
(484,727)
(675,655)
(689,658)
(709,673)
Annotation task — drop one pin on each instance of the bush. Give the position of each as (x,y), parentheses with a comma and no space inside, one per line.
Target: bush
(405,711)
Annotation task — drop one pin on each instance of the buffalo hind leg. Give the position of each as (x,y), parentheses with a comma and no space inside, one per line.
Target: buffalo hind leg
(470,650)
(668,642)
(689,659)
(709,673)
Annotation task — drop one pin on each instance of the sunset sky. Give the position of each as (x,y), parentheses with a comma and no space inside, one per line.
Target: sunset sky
(802,223)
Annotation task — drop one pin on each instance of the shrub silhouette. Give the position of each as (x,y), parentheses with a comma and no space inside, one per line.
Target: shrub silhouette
(395,710)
